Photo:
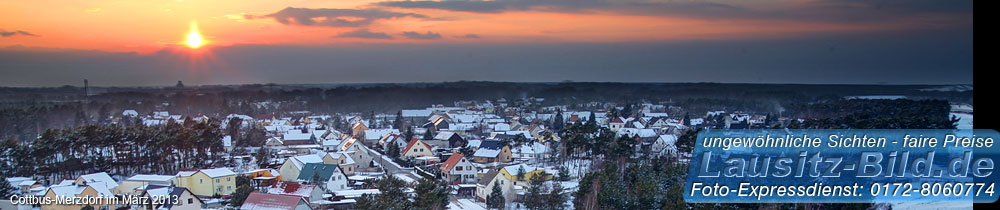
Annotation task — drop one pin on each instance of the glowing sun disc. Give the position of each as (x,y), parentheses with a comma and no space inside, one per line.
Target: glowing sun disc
(194,39)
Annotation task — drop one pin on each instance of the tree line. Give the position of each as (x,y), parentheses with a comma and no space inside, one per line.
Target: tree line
(67,153)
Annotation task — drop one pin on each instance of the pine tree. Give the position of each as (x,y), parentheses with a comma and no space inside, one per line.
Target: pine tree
(687,119)
(520,173)
(556,199)
(393,150)
(409,134)
(557,121)
(431,195)
(495,199)
(398,123)
(429,134)
(240,195)
(592,120)
(563,173)
(535,196)
(5,189)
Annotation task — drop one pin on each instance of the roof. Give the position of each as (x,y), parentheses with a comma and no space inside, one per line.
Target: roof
(167,192)
(291,188)
(150,178)
(451,162)
(296,135)
(491,144)
(474,143)
(488,177)
(444,135)
(486,152)
(259,201)
(75,190)
(668,139)
(218,172)
(375,134)
(512,169)
(413,142)
(101,177)
(324,171)
(301,160)
(347,157)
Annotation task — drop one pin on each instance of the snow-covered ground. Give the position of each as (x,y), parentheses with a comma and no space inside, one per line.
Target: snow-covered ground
(964,121)
(467,204)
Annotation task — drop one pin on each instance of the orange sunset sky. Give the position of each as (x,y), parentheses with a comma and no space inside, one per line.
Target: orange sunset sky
(145,26)
(129,42)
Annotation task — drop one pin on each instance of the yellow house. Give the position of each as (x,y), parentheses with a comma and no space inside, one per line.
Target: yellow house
(208,182)
(80,191)
(342,159)
(511,172)
(358,129)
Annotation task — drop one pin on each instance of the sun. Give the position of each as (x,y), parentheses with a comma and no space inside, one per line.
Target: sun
(194,39)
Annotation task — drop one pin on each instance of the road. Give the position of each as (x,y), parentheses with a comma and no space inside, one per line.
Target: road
(391,167)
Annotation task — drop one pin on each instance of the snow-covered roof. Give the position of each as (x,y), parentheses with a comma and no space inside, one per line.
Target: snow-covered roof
(501,127)
(375,134)
(94,178)
(302,160)
(486,152)
(356,193)
(290,188)
(512,169)
(668,139)
(186,173)
(474,143)
(218,172)
(130,113)
(296,135)
(332,142)
(150,178)
(260,201)
(444,135)
(643,133)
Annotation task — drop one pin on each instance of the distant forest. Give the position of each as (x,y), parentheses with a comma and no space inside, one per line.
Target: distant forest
(27,112)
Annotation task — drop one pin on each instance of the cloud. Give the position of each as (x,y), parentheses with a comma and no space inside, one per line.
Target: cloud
(4,33)
(334,17)
(831,10)
(417,35)
(364,33)
(499,6)
(469,36)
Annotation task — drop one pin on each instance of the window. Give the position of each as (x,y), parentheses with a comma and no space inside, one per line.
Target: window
(190,200)
(201,181)
(229,187)
(229,179)
(217,180)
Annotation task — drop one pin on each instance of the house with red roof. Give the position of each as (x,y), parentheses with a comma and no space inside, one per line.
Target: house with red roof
(261,201)
(459,170)
(416,149)
(306,191)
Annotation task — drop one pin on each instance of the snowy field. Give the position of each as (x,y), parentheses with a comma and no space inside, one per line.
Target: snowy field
(964,121)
